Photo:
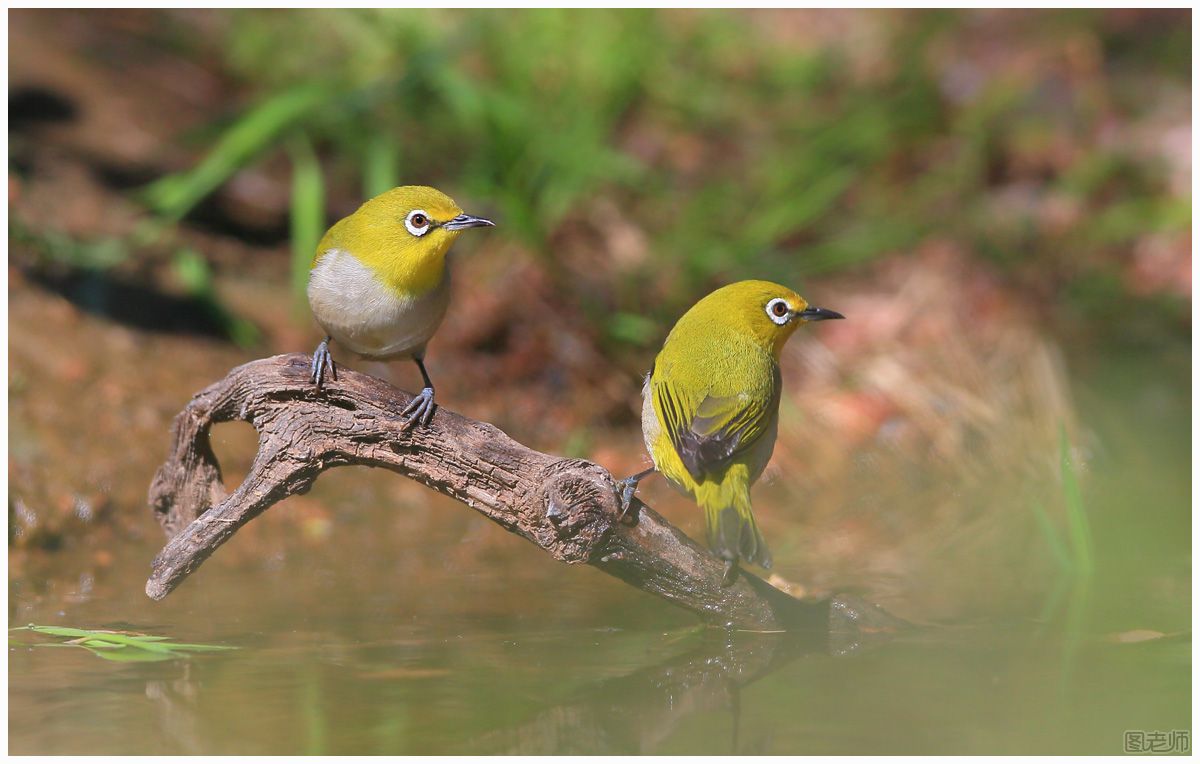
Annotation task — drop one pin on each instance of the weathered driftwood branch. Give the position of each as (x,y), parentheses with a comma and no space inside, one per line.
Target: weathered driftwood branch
(568,507)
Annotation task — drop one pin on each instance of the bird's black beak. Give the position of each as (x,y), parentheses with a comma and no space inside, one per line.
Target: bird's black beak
(466,221)
(818,314)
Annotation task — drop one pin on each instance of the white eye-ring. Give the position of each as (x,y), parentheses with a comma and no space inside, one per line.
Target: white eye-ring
(779,311)
(418,222)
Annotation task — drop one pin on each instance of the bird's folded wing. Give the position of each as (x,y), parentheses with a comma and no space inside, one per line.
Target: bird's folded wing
(718,429)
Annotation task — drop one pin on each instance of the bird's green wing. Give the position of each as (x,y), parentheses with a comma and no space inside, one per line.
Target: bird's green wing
(708,435)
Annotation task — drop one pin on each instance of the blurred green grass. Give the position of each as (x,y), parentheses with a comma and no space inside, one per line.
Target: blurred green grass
(731,149)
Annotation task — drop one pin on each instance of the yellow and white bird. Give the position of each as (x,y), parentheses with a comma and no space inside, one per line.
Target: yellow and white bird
(380,284)
(710,407)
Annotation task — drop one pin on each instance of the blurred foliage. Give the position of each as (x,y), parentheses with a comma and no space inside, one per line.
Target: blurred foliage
(729,148)
(96,260)
(62,249)
(192,271)
(1074,556)
(307,210)
(1078,526)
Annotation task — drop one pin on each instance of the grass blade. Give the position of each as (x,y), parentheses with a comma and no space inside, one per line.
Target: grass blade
(1078,529)
(1061,554)
(195,275)
(173,196)
(307,218)
(381,165)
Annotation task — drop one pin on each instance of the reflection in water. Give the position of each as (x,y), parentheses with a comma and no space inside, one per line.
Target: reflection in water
(175,703)
(635,713)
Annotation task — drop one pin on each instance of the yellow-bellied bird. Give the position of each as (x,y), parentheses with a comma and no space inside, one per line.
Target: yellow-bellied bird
(710,408)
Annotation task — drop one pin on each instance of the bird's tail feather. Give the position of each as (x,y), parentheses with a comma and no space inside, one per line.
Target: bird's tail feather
(732,532)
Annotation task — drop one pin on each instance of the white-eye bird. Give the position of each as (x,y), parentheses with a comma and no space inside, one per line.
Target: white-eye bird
(380,284)
(710,408)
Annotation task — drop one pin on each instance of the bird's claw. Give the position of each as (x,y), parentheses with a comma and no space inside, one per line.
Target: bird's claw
(322,361)
(626,488)
(420,408)
(731,572)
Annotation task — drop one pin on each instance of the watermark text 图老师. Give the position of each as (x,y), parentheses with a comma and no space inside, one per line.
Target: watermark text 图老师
(1158,741)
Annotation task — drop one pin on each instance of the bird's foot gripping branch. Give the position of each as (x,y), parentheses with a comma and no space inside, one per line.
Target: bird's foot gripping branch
(567,507)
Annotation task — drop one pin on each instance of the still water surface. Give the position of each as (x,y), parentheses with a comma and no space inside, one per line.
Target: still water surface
(501,650)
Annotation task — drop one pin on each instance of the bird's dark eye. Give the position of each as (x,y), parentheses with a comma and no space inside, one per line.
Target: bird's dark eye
(780,309)
(419,220)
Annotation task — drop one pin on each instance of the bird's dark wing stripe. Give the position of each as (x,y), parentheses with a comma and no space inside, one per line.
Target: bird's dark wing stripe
(702,447)
(706,439)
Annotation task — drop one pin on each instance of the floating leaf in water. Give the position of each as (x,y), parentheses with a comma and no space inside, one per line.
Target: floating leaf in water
(121,655)
(118,645)
(1136,635)
(404,673)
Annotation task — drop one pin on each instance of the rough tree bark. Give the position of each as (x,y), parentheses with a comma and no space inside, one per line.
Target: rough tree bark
(568,507)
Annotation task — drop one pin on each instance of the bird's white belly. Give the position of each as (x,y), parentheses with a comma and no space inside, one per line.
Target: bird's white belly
(364,315)
(650,427)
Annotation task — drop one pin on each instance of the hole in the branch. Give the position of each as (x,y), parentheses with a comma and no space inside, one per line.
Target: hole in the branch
(235,444)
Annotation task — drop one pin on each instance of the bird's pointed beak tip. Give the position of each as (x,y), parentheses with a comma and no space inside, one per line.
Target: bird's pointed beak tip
(819,314)
(465,221)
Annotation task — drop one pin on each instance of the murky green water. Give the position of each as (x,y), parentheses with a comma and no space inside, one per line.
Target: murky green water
(463,640)
(603,692)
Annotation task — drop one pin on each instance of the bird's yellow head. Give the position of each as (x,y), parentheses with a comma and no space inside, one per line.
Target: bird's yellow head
(765,312)
(402,235)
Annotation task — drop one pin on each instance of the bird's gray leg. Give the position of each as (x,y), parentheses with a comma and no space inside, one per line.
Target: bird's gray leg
(322,360)
(628,487)
(420,408)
